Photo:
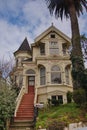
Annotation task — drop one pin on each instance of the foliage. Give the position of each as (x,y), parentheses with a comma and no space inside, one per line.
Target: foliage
(84,81)
(7,101)
(77,71)
(55,102)
(62,7)
(79,96)
(83,39)
(84,106)
(69,97)
(67,113)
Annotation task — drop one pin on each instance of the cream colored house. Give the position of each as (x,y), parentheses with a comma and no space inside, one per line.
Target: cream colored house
(45,65)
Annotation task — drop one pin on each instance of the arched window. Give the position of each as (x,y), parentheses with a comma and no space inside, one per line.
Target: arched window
(42,75)
(30,71)
(55,75)
(67,74)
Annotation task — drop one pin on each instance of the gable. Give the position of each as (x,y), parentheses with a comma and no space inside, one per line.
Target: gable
(51,30)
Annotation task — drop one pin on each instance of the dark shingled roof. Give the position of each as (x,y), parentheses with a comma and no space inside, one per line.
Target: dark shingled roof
(24,46)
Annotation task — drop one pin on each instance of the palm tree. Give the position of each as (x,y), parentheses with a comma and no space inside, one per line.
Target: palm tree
(71,9)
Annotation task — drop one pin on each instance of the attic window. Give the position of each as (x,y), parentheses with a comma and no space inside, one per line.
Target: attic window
(52,35)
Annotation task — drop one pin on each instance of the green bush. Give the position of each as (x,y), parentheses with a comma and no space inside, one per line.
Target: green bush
(69,97)
(84,106)
(79,96)
(55,102)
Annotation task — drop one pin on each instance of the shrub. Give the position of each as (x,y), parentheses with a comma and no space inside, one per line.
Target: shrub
(79,96)
(55,102)
(69,97)
(84,106)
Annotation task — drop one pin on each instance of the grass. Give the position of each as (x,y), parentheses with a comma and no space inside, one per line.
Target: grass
(67,113)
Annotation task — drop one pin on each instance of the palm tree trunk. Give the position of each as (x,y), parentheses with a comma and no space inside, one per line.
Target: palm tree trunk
(76,55)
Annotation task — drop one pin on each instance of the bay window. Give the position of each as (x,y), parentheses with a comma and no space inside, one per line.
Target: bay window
(55,75)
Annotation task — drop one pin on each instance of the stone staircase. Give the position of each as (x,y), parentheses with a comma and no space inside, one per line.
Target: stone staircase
(24,119)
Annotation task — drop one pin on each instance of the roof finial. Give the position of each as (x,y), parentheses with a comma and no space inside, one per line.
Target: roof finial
(52,23)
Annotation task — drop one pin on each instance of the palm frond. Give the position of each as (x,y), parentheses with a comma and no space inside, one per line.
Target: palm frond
(60,8)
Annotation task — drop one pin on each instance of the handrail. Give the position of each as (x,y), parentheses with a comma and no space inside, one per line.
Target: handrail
(35,98)
(18,100)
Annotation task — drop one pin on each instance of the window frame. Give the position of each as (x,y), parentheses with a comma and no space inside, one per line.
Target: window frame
(56,75)
(52,36)
(53,48)
(42,75)
(42,49)
(58,98)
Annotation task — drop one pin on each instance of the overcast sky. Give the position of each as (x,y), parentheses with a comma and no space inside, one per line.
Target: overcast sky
(28,18)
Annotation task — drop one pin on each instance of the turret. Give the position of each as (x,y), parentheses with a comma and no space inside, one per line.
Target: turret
(23,53)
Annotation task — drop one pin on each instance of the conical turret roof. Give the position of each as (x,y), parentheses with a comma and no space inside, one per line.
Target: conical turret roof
(24,47)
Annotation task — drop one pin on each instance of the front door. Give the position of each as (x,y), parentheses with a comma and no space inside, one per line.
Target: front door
(31,83)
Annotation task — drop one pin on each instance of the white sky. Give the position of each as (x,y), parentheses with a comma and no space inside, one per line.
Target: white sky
(28,18)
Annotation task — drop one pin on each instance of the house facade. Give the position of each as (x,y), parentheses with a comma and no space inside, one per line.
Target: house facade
(45,66)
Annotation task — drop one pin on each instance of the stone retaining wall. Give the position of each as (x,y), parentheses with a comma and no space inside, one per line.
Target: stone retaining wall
(74,126)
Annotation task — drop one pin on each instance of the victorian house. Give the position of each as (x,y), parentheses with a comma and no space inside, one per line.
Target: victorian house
(42,71)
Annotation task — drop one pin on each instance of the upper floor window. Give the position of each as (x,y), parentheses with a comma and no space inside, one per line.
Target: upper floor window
(55,75)
(54,50)
(52,35)
(42,49)
(64,47)
(42,75)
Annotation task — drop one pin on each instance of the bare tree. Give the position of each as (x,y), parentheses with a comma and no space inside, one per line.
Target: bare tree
(6,67)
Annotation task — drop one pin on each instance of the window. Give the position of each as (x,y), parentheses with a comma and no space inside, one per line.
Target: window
(64,46)
(67,75)
(31,80)
(52,35)
(54,50)
(42,75)
(55,75)
(42,48)
(59,98)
